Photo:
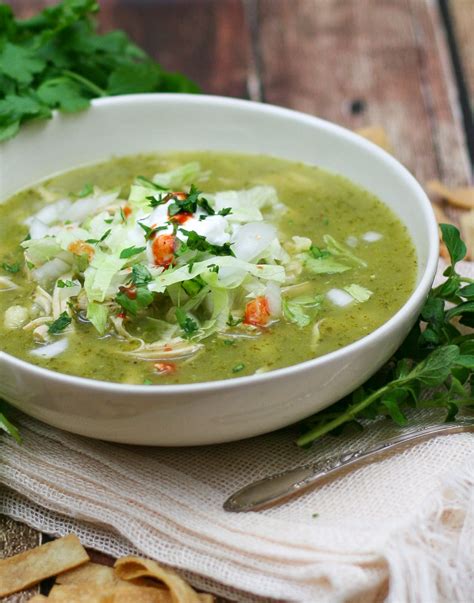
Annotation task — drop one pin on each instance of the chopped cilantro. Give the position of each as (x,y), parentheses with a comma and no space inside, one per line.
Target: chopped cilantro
(147,382)
(57,60)
(62,284)
(132,299)
(140,275)
(102,238)
(86,190)
(238,367)
(59,324)
(229,342)
(12,268)
(150,232)
(233,322)
(187,324)
(200,243)
(130,252)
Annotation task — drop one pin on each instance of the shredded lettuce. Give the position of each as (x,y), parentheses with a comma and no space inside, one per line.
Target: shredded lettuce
(179,177)
(98,314)
(325,265)
(359,293)
(339,250)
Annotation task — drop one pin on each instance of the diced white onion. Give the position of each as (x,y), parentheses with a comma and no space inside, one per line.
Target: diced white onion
(52,212)
(273,295)
(351,241)
(51,350)
(251,240)
(38,229)
(51,270)
(15,317)
(371,237)
(339,297)
(82,208)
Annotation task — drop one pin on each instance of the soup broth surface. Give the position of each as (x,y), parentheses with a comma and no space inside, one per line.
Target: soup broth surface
(318,203)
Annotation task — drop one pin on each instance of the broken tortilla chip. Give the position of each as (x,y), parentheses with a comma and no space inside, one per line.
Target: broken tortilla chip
(462,197)
(31,567)
(377,135)
(93,574)
(120,593)
(131,568)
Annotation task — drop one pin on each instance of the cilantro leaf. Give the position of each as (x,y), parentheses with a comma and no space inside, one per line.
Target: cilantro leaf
(20,63)
(140,275)
(63,94)
(187,324)
(130,252)
(59,324)
(12,268)
(197,242)
(57,60)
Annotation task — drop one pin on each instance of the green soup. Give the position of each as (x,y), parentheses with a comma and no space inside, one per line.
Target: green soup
(170,281)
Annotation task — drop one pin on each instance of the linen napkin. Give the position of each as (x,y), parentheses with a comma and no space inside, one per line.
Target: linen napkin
(399,530)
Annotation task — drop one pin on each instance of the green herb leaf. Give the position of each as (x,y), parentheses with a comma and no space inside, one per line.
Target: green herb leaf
(187,324)
(130,252)
(452,239)
(5,424)
(59,324)
(12,268)
(62,284)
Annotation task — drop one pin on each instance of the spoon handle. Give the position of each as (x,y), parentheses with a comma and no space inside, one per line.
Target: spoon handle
(277,488)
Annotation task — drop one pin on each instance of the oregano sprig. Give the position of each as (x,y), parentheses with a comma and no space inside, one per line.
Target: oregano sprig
(434,367)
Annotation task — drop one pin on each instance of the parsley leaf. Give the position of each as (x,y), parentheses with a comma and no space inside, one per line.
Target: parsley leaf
(60,324)
(435,354)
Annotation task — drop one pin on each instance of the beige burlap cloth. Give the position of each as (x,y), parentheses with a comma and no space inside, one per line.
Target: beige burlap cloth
(399,530)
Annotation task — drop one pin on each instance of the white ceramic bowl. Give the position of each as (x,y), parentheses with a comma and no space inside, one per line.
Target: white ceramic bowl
(219,411)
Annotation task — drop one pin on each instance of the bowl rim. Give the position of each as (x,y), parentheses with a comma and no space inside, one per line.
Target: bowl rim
(414,300)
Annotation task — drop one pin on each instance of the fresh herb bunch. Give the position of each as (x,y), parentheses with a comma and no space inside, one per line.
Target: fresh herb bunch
(57,60)
(434,367)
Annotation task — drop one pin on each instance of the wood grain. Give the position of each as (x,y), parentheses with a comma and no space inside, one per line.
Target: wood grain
(462,12)
(366,62)
(15,538)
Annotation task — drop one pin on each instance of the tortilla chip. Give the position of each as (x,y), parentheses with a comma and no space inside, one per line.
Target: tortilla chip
(127,593)
(130,568)
(31,567)
(93,574)
(377,135)
(462,197)
(467,229)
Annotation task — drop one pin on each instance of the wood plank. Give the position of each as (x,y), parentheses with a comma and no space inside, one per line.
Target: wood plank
(208,40)
(462,12)
(15,538)
(365,62)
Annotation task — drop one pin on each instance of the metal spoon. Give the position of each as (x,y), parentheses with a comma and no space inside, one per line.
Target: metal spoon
(276,489)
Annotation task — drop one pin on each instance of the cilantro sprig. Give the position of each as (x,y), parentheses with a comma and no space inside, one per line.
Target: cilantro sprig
(434,367)
(57,60)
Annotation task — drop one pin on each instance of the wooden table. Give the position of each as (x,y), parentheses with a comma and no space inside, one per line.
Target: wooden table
(405,65)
